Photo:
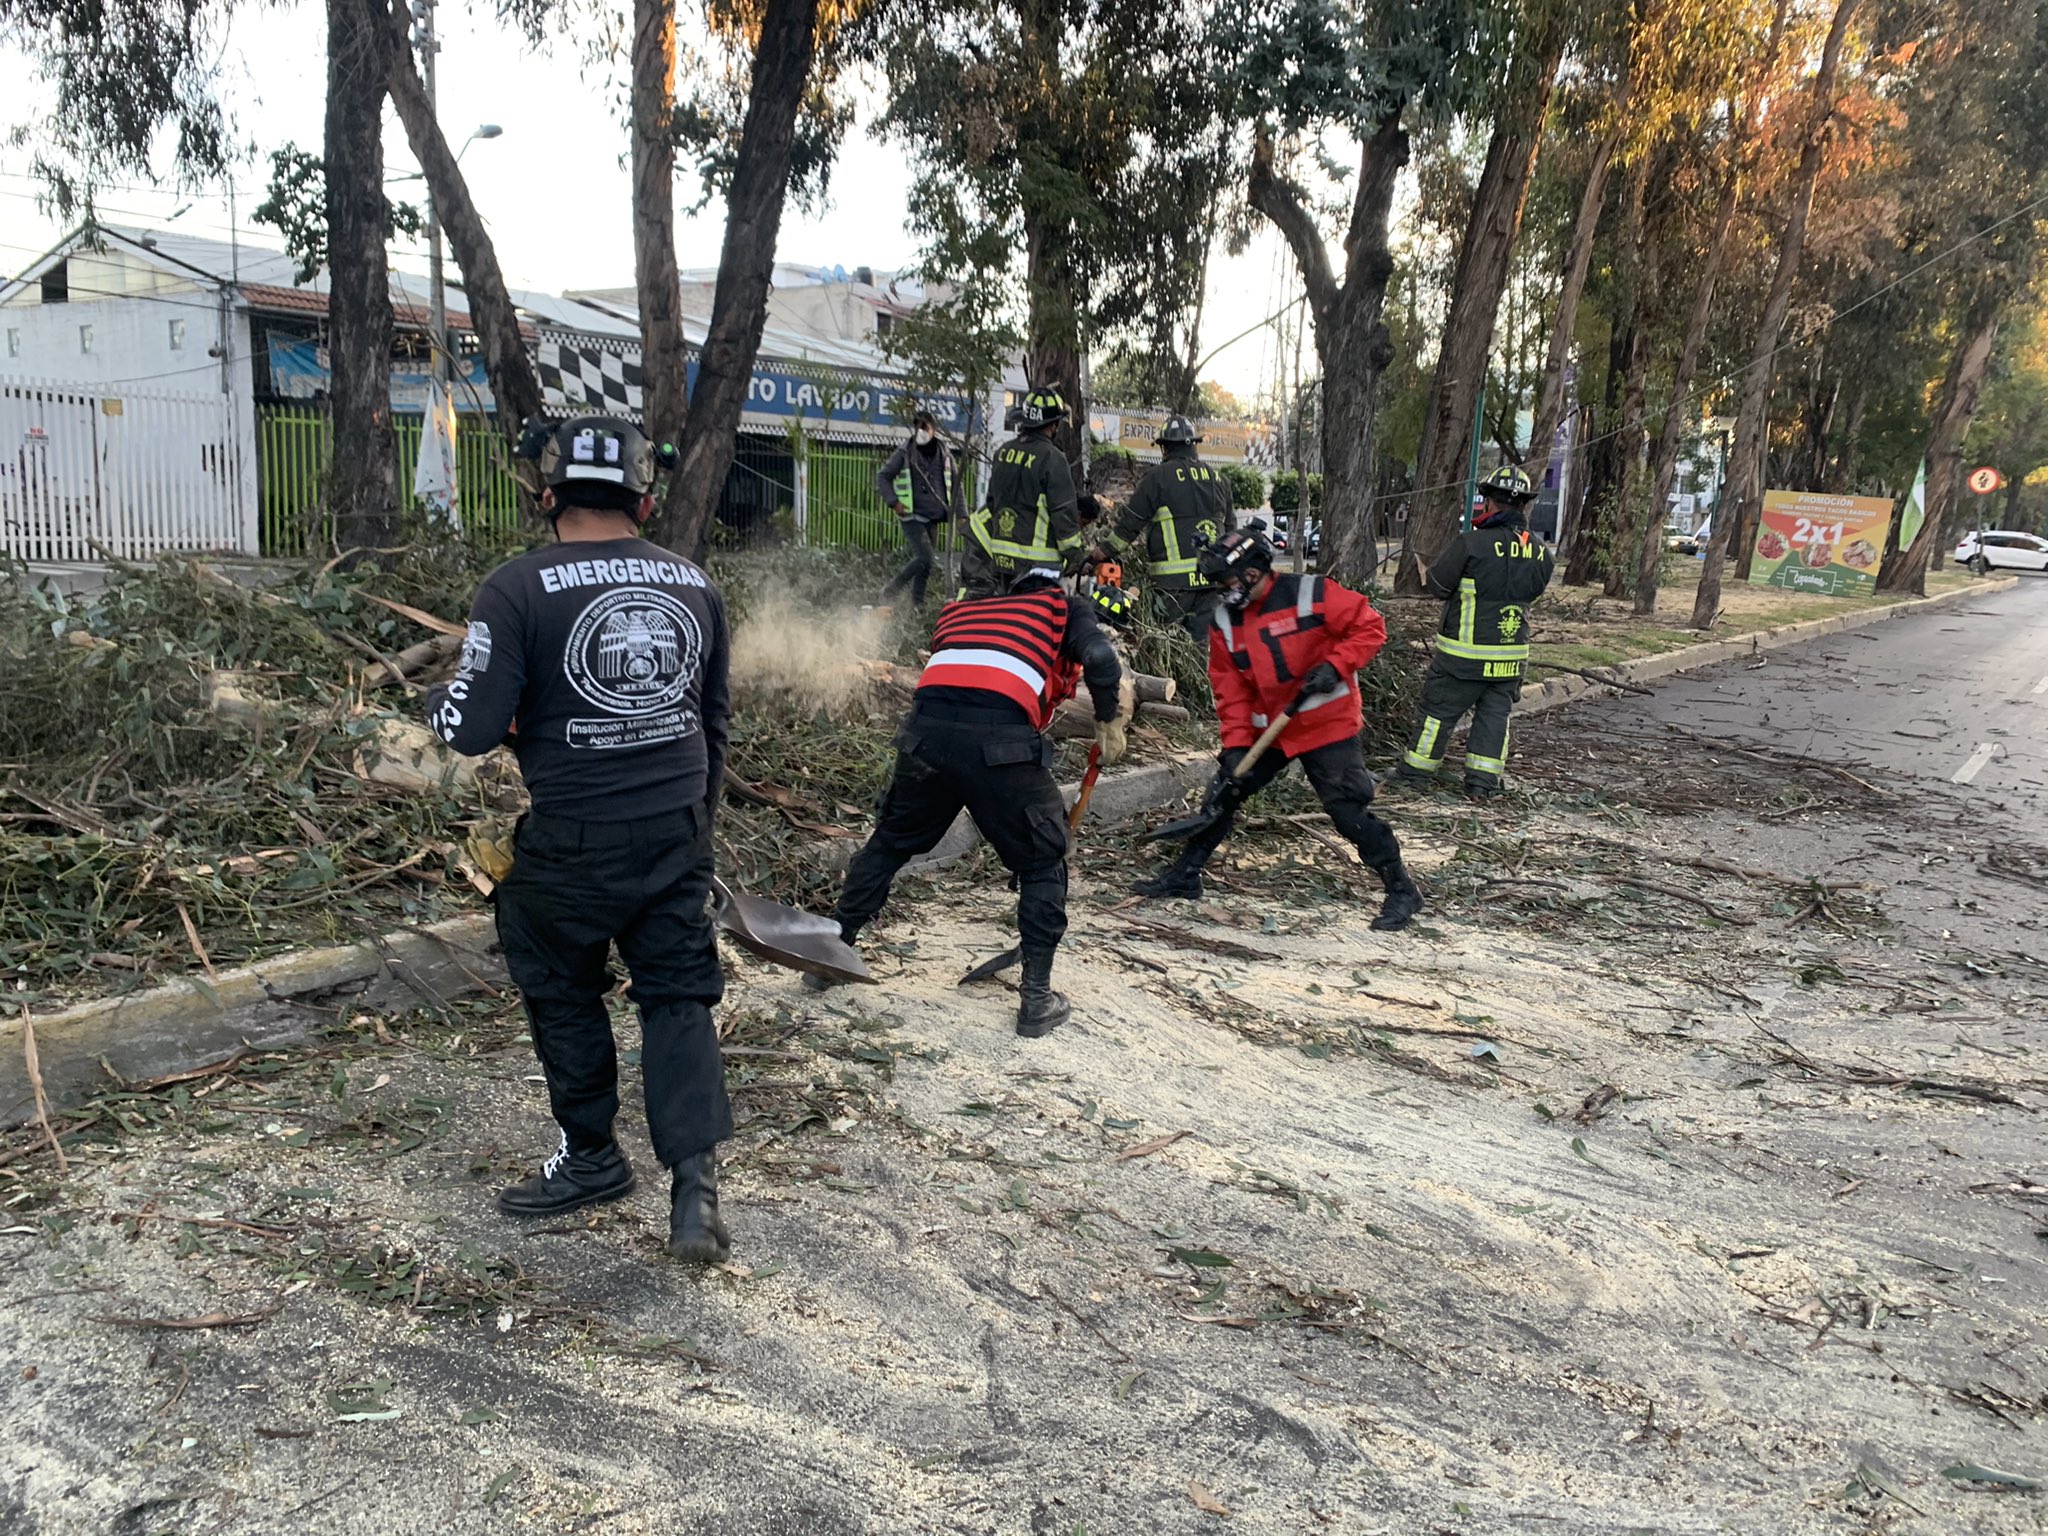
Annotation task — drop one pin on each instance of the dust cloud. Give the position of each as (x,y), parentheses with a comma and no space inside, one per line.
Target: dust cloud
(809,656)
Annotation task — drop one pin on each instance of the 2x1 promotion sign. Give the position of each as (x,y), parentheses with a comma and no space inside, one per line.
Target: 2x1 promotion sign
(1827,545)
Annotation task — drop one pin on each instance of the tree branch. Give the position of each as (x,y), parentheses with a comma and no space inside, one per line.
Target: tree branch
(1283,202)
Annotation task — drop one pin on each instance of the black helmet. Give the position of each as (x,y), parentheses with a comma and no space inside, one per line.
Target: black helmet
(1030,576)
(1239,552)
(1115,607)
(605,459)
(1041,408)
(1510,482)
(1177,429)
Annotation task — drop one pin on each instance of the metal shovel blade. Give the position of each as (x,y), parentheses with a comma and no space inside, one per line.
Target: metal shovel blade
(994,965)
(1185,828)
(782,935)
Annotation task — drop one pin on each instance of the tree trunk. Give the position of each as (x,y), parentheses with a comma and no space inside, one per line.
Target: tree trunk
(746,264)
(362,475)
(1906,571)
(1607,462)
(1842,481)
(1052,282)
(1441,462)
(1351,337)
(506,361)
(1578,263)
(1745,500)
(1572,512)
(1629,512)
(1677,408)
(664,362)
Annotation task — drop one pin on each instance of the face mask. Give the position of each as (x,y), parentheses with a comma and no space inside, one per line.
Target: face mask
(924,436)
(1237,597)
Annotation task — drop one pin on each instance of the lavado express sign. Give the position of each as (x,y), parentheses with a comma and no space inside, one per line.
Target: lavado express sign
(1827,545)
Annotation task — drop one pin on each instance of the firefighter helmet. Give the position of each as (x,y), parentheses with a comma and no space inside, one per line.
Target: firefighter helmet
(1240,552)
(1030,576)
(1114,606)
(1177,429)
(1041,408)
(1509,482)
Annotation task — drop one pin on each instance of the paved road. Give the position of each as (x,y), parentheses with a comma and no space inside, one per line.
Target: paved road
(1958,695)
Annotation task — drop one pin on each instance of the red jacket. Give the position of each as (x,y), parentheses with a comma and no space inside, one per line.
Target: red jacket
(1257,660)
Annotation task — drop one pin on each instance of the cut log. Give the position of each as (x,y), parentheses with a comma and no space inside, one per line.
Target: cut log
(1155,690)
(1076,718)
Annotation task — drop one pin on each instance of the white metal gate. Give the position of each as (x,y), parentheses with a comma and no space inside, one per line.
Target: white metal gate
(92,471)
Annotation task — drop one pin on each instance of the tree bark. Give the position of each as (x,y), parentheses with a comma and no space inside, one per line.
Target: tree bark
(1609,456)
(746,264)
(1351,337)
(506,361)
(1745,500)
(664,362)
(1677,411)
(1447,423)
(1052,280)
(1906,571)
(362,473)
(1578,263)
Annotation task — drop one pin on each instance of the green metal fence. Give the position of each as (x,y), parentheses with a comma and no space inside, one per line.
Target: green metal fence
(292,447)
(843,507)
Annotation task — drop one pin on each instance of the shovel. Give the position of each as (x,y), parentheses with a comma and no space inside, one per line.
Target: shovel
(781,935)
(1217,806)
(1008,957)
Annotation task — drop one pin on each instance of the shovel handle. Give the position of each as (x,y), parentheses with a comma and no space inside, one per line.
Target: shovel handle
(1266,739)
(1088,779)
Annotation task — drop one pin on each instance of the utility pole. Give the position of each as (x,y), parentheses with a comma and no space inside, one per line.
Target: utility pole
(429,46)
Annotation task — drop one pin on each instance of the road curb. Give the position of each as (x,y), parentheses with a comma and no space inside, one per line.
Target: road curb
(194,1021)
(1646,669)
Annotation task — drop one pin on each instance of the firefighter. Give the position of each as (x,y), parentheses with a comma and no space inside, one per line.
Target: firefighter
(1180,505)
(1275,640)
(1032,517)
(1487,577)
(999,667)
(611,655)
(921,484)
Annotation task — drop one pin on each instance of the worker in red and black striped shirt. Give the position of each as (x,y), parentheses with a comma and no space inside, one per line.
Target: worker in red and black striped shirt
(999,667)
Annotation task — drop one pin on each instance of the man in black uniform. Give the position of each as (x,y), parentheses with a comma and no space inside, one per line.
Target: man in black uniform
(610,654)
(1180,505)
(1487,577)
(999,667)
(1032,517)
(921,484)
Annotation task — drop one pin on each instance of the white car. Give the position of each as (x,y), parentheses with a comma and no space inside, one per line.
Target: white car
(2012,551)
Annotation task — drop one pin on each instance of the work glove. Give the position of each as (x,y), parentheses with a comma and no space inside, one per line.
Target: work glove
(1226,791)
(1322,679)
(1114,740)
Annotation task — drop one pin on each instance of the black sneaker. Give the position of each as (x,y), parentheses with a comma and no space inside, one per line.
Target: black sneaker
(1403,902)
(569,1180)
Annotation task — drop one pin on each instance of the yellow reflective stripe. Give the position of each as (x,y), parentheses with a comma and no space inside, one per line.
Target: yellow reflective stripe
(1492,765)
(1420,755)
(1470,652)
(1468,608)
(1174,564)
(1041,550)
(1417,760)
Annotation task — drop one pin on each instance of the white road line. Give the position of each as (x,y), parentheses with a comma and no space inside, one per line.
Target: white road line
(2041,686)
(1986,750)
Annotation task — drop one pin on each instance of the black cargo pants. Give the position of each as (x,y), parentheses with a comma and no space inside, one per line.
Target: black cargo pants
(992,764)
(1192,608)
(917,572)
(1337,773)
(1445,699)
(576,888)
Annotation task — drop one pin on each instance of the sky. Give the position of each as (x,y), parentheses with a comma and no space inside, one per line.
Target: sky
(553,186)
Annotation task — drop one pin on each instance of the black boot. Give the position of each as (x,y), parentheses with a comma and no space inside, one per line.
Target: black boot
(569,1180)
(1183,877)
(1041,1010)
(1403,899)
(695,1233)
(1482,789)
(1414,776)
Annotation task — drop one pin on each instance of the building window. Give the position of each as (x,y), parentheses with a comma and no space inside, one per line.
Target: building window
(57,283)
(884,322)
(177,335)
(13,342)
(85,340)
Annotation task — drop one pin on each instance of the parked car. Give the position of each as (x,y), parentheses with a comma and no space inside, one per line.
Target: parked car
(2009,551)
(1688,543)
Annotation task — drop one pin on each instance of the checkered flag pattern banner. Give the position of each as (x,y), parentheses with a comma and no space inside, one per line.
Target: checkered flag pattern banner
(579,376)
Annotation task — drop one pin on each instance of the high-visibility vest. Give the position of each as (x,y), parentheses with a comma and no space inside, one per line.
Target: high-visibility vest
(1009,646)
